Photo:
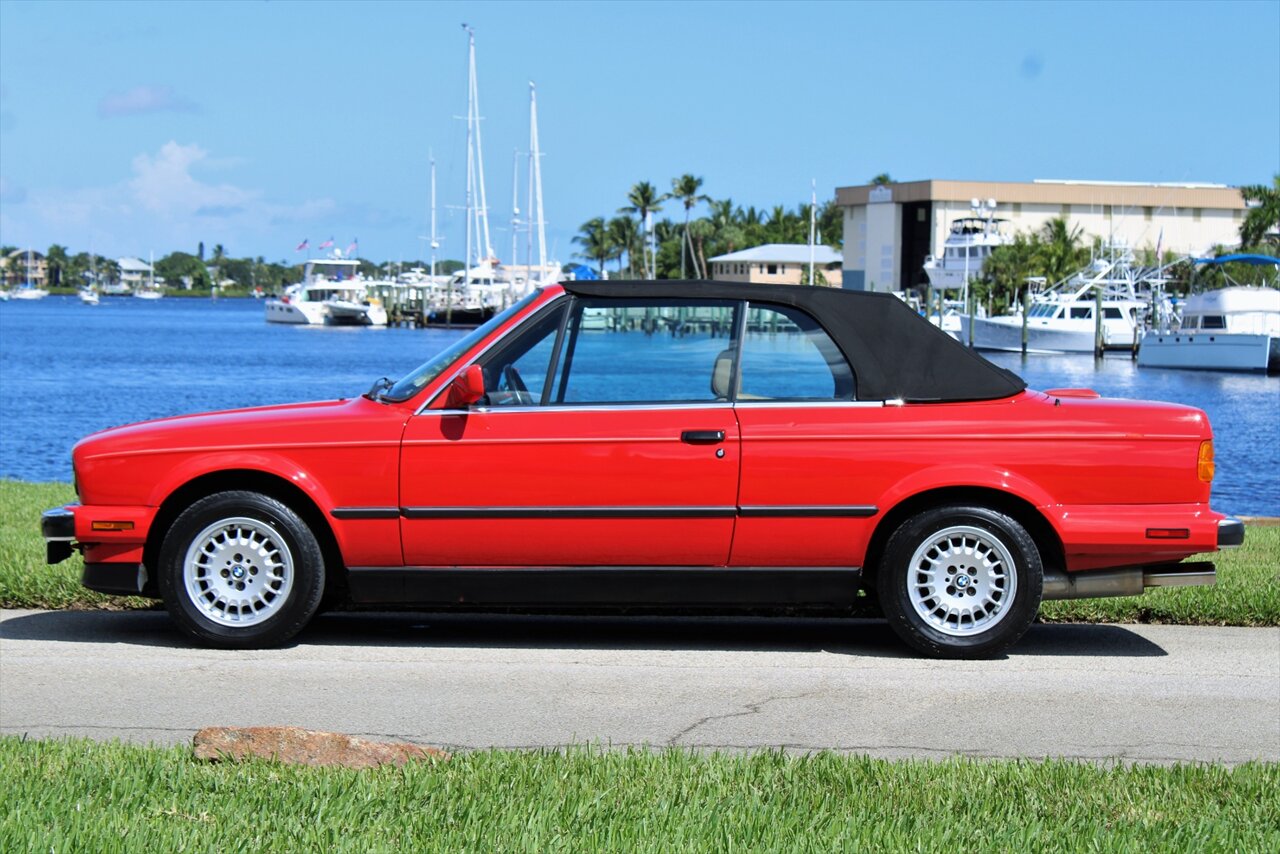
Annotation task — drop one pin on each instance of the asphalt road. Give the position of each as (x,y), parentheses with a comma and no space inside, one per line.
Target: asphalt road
(1144,693)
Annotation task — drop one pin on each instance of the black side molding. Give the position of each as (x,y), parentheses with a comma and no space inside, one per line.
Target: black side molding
(1230,533)
(365,512)
(590,586)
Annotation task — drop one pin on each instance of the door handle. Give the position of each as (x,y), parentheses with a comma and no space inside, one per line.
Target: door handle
(702,437)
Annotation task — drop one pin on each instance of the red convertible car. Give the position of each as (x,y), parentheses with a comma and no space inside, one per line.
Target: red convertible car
(688,444)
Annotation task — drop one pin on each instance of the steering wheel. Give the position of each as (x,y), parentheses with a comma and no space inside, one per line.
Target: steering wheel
(511,379)
(517,392)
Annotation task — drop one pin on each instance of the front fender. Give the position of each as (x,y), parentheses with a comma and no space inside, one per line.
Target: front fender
(267,462)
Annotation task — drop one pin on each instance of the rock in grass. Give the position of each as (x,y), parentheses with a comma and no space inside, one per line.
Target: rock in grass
(296,746)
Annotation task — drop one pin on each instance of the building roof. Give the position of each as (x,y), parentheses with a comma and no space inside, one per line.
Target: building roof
(782,253)
(133,265)
(1188,195)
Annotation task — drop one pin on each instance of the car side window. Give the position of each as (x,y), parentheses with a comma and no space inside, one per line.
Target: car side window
(646,352)
(515,374)
(787,355)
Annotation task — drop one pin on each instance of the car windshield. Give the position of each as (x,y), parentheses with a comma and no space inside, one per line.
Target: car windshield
(411,383)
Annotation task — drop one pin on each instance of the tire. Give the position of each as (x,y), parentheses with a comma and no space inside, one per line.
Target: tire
(241,570)
(960,581)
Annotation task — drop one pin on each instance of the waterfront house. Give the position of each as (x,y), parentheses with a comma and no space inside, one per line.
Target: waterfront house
(134,273)
(777,264)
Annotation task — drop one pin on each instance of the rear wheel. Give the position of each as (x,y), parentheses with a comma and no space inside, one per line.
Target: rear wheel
(960,581)
(241,570)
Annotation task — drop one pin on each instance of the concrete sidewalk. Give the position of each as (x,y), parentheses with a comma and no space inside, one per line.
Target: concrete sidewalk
(1145,693)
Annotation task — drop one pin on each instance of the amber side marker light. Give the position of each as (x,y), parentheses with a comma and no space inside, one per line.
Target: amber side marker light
(112,526)
(1204,464)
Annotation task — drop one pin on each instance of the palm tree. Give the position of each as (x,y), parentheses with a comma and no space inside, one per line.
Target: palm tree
(627,238)
(1264,218)
(644,200)
(700,231)
(1060,251)
(56,260)
(596,242)
(685,188)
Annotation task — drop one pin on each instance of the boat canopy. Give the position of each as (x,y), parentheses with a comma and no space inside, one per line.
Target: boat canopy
(1240,258)
(895,353)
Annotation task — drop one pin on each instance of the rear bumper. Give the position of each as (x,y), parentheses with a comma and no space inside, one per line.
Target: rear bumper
(1230,533)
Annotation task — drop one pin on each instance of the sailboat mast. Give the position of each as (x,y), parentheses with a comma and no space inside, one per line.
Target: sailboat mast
(471,169)
(813,225)
(435,242)
(535,154)
(515,202)
(482,209)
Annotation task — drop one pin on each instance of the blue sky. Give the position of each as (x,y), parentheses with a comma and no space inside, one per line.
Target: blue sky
(152,126)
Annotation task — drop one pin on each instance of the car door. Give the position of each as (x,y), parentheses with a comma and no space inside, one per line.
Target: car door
(804,497)
(602,442)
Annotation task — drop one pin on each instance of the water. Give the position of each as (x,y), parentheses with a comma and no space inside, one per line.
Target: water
(67,369)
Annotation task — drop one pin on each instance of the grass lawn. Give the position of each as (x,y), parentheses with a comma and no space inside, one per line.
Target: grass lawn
(83,796)
(1247,592)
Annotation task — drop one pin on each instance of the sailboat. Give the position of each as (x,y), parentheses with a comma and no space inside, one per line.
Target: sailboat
(150,291)
(28,290)
(485,285)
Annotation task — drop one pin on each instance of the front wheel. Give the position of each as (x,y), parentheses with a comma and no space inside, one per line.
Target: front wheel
(960,581)
(241,570)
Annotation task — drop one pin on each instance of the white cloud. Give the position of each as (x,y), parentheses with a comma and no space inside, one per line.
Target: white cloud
(143,99)
(164,205)
(163,183)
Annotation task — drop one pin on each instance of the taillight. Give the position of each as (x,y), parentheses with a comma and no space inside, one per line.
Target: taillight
(1204,464)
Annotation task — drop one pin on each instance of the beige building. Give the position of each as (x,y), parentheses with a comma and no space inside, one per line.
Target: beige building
(890,229)
(777,264)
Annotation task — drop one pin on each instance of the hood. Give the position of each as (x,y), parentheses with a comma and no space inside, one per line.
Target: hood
(228,428)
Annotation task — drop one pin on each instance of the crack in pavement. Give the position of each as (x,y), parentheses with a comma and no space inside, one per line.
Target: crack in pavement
(751,709)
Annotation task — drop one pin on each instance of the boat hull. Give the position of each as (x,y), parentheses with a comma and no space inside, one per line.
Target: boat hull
(1210,351)
(342,313)
(279,311)
(1005,333)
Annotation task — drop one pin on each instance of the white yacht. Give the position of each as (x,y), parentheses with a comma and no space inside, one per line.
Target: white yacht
(89,295)
(967,247)
(1061,318)
(331,292)
(1229,329)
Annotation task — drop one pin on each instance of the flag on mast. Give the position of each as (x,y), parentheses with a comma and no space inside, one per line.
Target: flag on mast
(303,245)
(353,248)
(326,244)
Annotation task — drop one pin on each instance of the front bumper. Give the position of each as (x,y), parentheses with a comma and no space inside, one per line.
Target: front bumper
(113,560)
(58,526)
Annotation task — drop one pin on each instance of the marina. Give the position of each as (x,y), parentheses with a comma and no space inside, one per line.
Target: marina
(128,360)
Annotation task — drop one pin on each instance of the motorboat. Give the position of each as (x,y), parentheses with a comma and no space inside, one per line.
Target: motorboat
(1235,328)
(331,292)
(89,296)
(969,244)
(1061,318)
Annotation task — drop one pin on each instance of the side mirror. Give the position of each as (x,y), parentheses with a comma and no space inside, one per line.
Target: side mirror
(466,388)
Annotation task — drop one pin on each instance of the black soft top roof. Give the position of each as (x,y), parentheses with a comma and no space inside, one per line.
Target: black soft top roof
(895,353)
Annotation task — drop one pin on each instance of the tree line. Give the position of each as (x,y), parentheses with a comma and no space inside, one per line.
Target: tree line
(643,246)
